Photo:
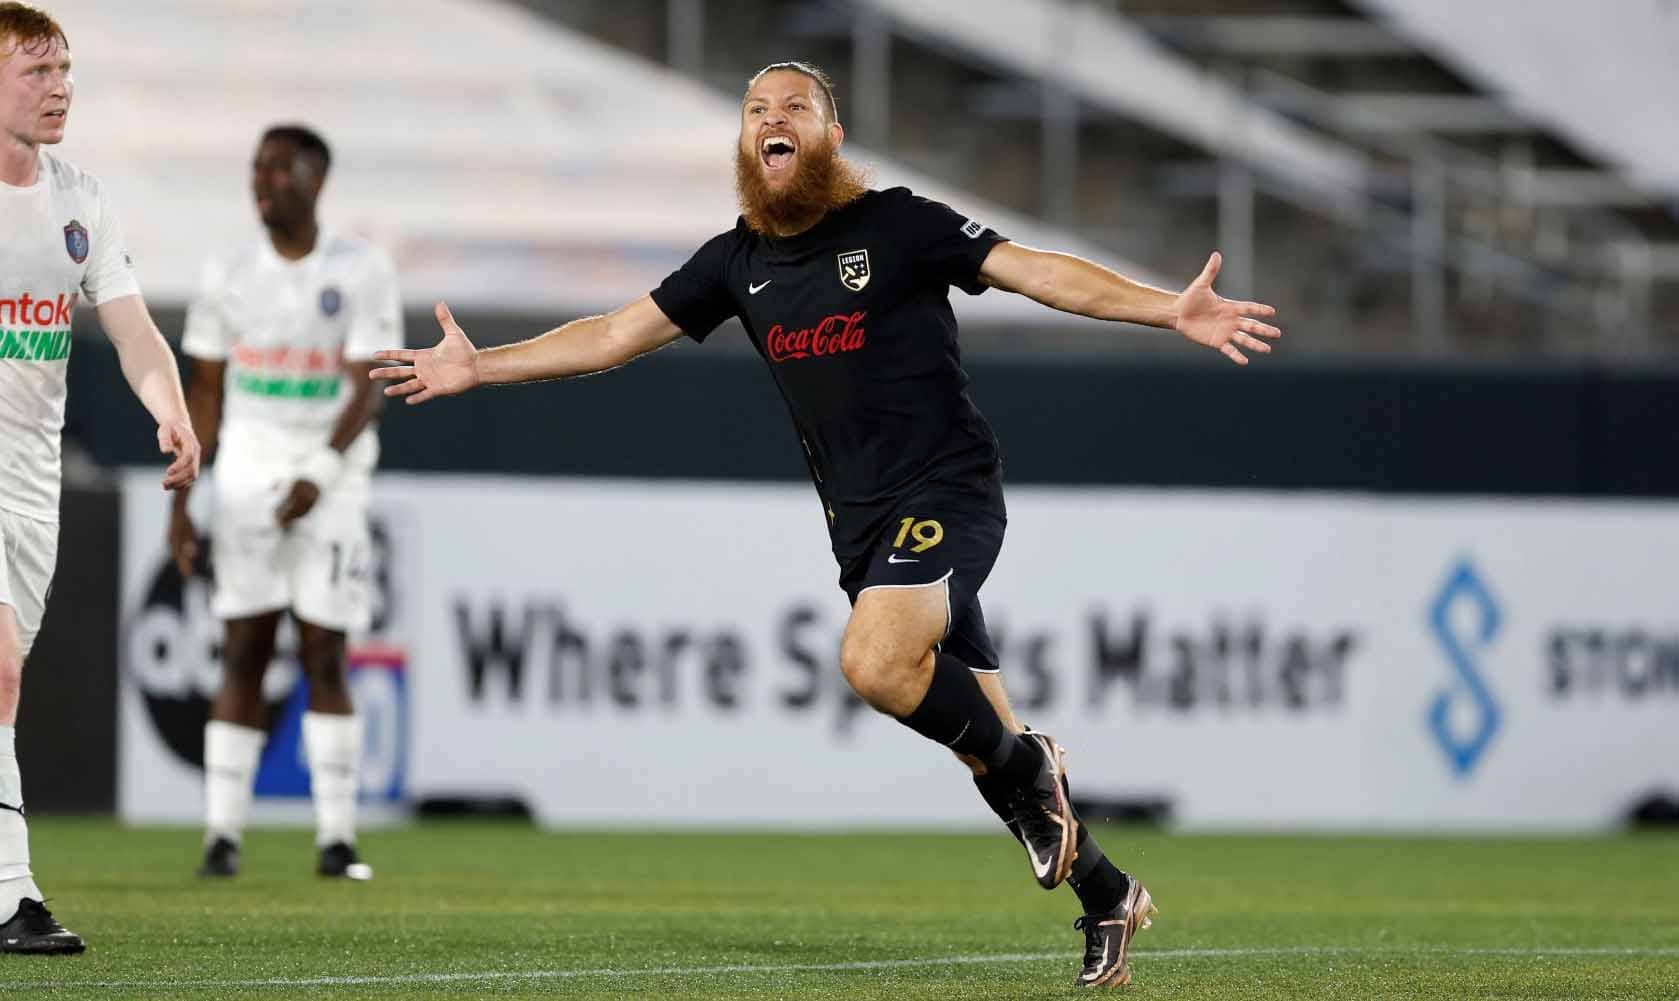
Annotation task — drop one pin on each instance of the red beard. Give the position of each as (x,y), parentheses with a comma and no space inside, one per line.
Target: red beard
(822,181)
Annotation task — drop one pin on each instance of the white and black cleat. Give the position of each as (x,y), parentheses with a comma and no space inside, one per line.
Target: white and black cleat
(1107,938)
(33,930)
(340,861)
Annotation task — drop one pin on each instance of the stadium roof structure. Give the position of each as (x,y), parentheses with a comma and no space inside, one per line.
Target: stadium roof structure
(1396,175)
(1604,76)
(1536,114)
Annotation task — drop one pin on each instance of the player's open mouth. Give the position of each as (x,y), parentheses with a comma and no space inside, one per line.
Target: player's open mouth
(59,114)
(777,151)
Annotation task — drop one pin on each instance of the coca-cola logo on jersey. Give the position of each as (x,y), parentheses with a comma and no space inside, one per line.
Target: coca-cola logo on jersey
(834,335)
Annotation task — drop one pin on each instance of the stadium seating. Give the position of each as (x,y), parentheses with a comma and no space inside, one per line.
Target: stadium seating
(511,163)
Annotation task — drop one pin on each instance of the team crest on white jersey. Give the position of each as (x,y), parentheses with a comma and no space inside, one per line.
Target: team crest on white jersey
(75,241)
(854,269)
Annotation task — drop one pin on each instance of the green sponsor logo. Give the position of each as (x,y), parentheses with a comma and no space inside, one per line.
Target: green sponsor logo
(320,388)
(34,345)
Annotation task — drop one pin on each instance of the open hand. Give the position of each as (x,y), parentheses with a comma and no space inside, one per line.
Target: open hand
(447,368)
(1224,325)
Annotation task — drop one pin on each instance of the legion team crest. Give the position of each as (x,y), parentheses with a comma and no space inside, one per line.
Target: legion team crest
(75,241)
(854,269)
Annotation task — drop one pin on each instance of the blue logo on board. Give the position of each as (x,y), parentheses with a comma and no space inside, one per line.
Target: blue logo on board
(379,687)
(1463,715)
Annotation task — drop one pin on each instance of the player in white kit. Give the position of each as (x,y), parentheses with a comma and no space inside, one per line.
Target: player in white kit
(59,242)
(282,337)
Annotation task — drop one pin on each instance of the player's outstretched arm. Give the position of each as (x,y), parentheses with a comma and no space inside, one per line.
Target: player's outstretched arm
(592,344)
(1075,285)
(149,367)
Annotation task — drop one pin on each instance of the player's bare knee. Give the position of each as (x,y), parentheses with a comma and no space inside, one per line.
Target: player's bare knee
(327,677)
(885,676)
(323,656)
(241,672)
(244,664)
(239,701)
(974,764)
(325,663)
(863,671)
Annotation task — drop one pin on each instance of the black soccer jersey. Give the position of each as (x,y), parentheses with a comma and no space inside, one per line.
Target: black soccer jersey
(853,317)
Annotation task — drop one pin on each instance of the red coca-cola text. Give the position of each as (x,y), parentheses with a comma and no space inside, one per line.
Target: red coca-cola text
(834,335)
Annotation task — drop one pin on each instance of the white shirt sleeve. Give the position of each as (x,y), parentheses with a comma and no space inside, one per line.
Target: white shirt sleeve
(376,312)
(207,335)
(110,272)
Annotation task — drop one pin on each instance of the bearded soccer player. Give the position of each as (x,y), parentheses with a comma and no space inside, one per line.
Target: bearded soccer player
(60,241)
(282,335)
(844,291)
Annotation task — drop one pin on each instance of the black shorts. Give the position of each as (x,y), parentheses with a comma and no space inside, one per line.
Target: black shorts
(941,533)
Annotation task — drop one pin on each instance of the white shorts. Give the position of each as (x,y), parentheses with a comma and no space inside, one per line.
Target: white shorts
(28,553)
(318,567)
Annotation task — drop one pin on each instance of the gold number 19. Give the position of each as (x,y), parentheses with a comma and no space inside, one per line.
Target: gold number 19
(927,534)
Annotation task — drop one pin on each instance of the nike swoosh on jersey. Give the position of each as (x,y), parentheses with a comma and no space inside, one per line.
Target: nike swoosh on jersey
(894,559)
(752,289)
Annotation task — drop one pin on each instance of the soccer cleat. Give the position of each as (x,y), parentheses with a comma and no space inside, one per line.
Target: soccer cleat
(340,861)
(33,929)
(221,859)
(1107,938)
(1043,816)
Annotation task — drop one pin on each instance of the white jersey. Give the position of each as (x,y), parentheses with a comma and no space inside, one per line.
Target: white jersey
(59,241)
(285,329)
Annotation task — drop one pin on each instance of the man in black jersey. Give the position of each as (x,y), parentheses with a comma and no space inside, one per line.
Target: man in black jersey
(844,291)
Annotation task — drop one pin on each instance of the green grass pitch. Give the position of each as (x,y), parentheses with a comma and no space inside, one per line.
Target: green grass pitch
(506,911)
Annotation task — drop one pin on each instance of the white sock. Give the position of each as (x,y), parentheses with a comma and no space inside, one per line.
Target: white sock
(333,746)
(15,880)
(231,752)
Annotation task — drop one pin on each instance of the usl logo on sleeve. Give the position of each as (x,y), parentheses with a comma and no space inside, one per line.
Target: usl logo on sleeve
(972,228)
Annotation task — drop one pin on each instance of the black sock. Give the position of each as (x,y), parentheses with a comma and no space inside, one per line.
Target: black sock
(997,792)
(956,713)
(1100,885)
(1018,762)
